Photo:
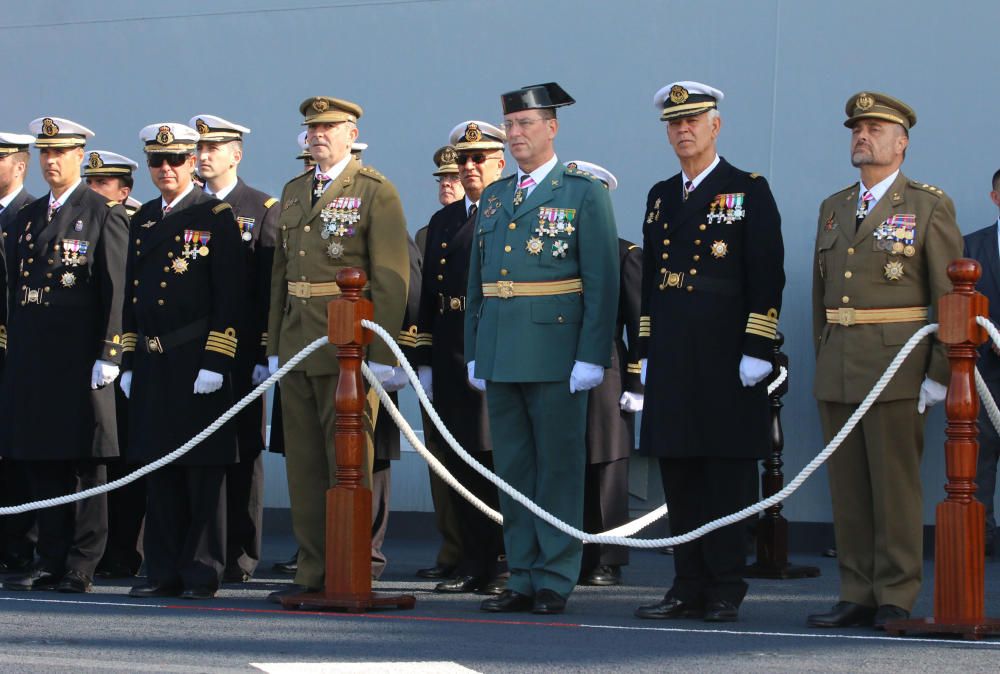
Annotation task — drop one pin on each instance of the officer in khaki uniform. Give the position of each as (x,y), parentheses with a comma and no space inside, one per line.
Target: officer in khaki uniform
(882,251)
(337,216)
(540,312)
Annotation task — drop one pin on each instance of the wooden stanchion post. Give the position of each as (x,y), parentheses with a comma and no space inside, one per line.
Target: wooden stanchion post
(959,574)
(348,584)
(772,527)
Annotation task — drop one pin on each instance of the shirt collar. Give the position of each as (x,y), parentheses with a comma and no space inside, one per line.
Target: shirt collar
(163,202)
(64,197)
(223,193)
(336,169)
(469,203)
(538,175)
(878,191)
(5,201)
(697,180)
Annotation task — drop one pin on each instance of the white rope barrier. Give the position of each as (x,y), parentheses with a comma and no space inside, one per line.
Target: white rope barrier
(984,392)
(180,451)
(610,539)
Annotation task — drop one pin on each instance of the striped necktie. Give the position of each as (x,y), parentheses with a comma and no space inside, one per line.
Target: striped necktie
(53,209)
(688,188)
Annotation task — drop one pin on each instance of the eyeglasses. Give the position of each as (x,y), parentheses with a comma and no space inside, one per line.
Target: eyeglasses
(448,179)
(156,159)
(478,158)
(522,124)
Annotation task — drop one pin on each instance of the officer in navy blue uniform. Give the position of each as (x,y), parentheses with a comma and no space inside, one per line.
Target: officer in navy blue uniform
(184,288)
(711,294)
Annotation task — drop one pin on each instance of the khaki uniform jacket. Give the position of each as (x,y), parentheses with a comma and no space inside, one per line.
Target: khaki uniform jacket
(376,242)
(859,270)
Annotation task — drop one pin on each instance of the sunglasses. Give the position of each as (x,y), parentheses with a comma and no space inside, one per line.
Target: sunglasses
(156,159)
(478,158)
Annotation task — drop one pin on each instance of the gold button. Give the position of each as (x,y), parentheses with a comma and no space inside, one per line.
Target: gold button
(26,274)
(690,289)
(177,238)
(848,274)
(442,260)
(560,319)
(850,251)
(666,242)
(664,225)
(163,284)
(160,302)
(48,289)
(845,299)
(664,256)
(31,246)
(512,226)
(506,249)
(166,269)
(693,272)
(696,257)
(50,261)
(306,228)
(444,244)
(697,242)
(135,282)
(302,253)
(702,227)
(56,247)
(138,242)
(30,260)
(440,278)
(48,274)
(503,272)
(134,300)
(170,254)
(302,278)
(663,270)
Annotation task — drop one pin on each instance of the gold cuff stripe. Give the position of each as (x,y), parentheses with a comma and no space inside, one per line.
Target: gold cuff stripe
(768,334)
(634,368)
(406,339)
(225,352)
(644,331)
(764,318)
(221,343)
(227,336)
(425,339)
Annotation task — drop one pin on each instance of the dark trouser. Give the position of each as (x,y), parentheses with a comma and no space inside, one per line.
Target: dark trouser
(698,490)
(605,506)
(450,552)
(17,532)
(986,472)
(538,447)
(185,536)
(482,538)
(126,511)
(244,512)
(381,489)
(71,537)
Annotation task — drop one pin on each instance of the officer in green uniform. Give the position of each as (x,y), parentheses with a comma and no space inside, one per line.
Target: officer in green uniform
(540,312)
(882,252)
(338,215)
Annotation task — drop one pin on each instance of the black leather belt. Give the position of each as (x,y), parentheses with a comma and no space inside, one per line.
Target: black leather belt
(446,303)
(46,296)
(690,282)
(164,343)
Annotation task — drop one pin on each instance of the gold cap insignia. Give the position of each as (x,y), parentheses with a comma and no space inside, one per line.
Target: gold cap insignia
(95,161)
(473,134)
(678,94)
(449,156)
(165,135)
(49,128)
(865,101)
(202,126)
(321,105)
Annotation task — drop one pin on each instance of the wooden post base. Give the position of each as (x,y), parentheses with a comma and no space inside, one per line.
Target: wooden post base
(971,630)
(784,571)
(319,601)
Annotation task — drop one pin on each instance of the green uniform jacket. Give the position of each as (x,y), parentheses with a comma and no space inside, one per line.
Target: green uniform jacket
(376,242)
(537,339)
(862,271)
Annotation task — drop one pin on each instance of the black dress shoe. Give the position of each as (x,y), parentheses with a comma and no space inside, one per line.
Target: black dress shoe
(75,582)
(843,614)
(35,579)
(669,609)
(293,589)
(436,572)
(602,576)
(198,593)
(496,585)
(15,565)
(508,601)
(721,611)
(887,613)
(150,590)
(548,602)
(459,584)
(290,567)
(236,575)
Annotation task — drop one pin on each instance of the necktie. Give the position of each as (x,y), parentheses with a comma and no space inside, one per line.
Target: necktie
(473,209)
(53,209)
(863,208)
(688,187)
(167,209)
(526,183)
(319,185)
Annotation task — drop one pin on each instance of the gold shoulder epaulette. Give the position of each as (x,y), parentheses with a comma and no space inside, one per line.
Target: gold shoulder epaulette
(112,202)
(754,176)
(372,173)
(221,207)
(580,173)
(270,202)
(927,188)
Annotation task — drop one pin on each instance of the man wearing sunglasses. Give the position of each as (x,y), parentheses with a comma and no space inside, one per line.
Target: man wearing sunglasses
(66,267)
(478,154)
(541,305)
(186,269)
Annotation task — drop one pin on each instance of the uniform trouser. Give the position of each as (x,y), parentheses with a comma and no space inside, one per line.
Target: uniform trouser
(699,490)
(538,447)
(877,502)
(442,496)
(309,417)
(244,513)
(381,490)
(71,537)
(126,511)
(17,532)
(986,472)
(605,506)
(185,537)
(482,538)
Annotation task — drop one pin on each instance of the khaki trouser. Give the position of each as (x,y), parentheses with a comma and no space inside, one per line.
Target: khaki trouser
(307,406)
(877,502)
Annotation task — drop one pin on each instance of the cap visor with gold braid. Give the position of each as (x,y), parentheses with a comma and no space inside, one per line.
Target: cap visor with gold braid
(874,105)
(324,109)
(59,132)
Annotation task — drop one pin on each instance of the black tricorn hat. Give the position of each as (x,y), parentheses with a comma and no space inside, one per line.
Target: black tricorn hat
(548,95)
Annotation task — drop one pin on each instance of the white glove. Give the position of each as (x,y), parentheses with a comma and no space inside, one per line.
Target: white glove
(102,374)
(260,373)
(585,376)
(125,383)
(642,371)
(753,370)
(381,372)
(207,381)
(397,381)
(426,380)
(272,365)
(630,402)
(478,384)
(931,393)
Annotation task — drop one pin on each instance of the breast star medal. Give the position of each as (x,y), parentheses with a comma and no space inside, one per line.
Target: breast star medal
(894,270)
(335,250)
(719,249)
(68,279)
(534,246)
(179,265)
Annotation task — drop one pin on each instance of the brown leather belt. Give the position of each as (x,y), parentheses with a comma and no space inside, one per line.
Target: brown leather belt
(505,290)
(849,316)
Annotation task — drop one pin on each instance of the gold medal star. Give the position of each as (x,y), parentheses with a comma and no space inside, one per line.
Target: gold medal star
(894,270)
(180,265)
(534,246)
(719,249)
